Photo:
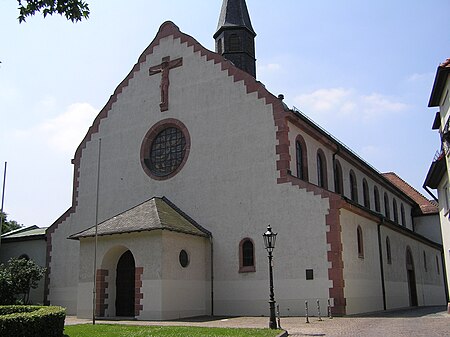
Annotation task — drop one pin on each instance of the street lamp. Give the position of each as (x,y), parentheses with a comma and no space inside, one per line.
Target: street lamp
(269,241)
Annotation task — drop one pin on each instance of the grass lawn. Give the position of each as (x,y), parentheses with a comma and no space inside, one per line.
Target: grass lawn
(117,330)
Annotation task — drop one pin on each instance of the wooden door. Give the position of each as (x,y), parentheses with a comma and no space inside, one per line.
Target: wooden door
(125,285)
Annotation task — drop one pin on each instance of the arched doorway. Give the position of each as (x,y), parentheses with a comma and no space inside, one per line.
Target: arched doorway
(125,285)
(411,278)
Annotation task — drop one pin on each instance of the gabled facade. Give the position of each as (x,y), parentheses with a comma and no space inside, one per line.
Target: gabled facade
(231,157)
(438,176)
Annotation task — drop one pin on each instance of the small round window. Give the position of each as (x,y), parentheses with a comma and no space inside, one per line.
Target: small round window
(184,258)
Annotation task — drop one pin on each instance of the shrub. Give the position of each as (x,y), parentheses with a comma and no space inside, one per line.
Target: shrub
(17,277)
(31,321)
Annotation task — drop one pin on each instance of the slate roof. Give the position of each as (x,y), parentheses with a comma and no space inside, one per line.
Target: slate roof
(234,14)
(425,205)
(154,214)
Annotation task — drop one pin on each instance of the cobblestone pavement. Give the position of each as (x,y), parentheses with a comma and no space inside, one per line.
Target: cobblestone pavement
(418,322)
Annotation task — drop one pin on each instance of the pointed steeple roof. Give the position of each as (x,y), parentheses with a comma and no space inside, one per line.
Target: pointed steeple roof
(234,14)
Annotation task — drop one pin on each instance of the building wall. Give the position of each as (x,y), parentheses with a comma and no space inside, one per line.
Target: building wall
(429,282)
(443,193)
(169,291)
(186,291)
(313,145)
(363,280)
(36,251)
(444,186)
(363,286)
(429,226)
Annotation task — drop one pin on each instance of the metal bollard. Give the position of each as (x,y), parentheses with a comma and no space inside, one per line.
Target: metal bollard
(278,316)
(329,309)
(318,310)
(306,310)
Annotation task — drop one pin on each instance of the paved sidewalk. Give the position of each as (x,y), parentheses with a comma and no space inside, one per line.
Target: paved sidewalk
(418,322)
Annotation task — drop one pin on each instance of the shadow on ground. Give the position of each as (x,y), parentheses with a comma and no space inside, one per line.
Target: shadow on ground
(407,312)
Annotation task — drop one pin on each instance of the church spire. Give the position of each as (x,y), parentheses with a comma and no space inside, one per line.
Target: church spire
(235,37)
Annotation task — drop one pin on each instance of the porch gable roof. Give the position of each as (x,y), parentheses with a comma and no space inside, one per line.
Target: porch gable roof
(153,214)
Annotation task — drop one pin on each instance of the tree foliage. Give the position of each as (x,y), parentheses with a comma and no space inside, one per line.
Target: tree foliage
(17,278)
(10,225)
(73,10)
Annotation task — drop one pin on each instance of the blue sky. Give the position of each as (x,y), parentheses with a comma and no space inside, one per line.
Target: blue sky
(363,70)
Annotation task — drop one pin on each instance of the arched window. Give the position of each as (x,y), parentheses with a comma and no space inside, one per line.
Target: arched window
(394,206)
(353,187)
(402,214)
(388,250)
(376,197)
(321,170)
(387,213)
(366,193)
(338,180)
(246,256)
(359,235)
(301,158)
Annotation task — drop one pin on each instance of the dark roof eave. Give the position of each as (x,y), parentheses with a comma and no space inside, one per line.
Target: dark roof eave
(437,121)
(78,237)
(435,173)
(438,86)
(24,238)
(232,27)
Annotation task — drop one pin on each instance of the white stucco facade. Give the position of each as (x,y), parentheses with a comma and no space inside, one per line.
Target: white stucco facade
(237,178)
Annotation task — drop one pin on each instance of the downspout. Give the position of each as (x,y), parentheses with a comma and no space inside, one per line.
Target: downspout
(212,274)
(380,250)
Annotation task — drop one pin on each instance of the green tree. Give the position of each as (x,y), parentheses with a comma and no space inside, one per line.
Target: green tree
(17,278)
(10,225)
(73,10)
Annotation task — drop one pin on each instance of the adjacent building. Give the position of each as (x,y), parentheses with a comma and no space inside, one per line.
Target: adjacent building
(438,174)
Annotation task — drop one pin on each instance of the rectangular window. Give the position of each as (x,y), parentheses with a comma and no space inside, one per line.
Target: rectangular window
(309,274)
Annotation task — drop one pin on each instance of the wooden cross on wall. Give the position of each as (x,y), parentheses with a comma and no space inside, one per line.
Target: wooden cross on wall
(164,69)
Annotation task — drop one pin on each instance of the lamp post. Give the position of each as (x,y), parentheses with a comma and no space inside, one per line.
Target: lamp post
(269,241)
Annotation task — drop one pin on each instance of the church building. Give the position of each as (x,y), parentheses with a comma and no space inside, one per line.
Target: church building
(182,171)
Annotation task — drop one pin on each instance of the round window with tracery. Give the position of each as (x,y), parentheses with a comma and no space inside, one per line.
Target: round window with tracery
(165,149)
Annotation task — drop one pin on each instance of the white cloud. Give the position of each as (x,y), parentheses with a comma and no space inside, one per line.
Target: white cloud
(64,132)
(46,104)
(269,68)
(419,77)
(337,103)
